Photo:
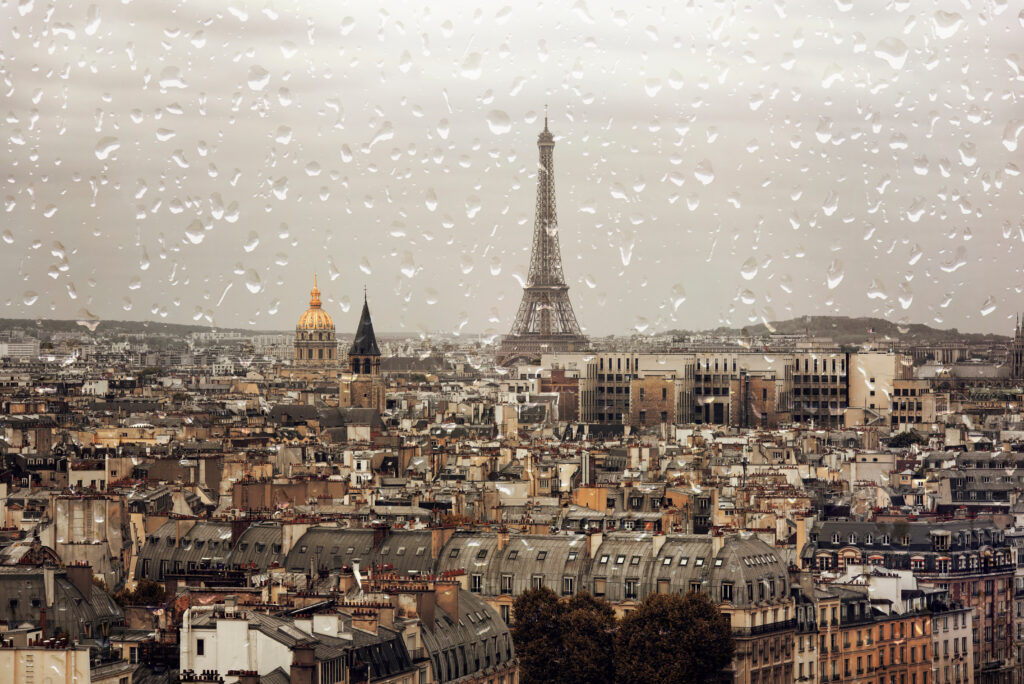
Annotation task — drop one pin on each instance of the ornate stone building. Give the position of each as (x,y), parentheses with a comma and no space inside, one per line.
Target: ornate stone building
(1017,352)
(315,345)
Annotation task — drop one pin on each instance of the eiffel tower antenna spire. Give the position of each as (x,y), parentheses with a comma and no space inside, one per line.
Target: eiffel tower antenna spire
(545,321)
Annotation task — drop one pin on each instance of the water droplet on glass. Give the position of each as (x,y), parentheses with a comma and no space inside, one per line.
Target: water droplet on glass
(253,282)
(252,242)
(170,77)
(906,296)
(678,296)
(1011,134)
(968,155)
(258,78)
(499,122)
(749,269)
(195,232)
(988,306)
(876,290)
(892,50)
(946,23)
(835,274)
(956,261)
(471,66)
(106,146)
(704,173)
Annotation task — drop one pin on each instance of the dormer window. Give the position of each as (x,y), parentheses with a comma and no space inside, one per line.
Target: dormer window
(835,538)
(853,538)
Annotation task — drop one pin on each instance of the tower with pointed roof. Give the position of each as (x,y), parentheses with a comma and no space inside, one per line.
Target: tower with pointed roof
(315,344)
(1017,351)
(545,321)
(363,386)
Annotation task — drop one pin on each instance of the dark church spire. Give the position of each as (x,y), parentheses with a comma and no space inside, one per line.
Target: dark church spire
(365,343)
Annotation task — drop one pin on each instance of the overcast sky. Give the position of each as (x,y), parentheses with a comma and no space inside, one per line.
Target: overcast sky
(715,162)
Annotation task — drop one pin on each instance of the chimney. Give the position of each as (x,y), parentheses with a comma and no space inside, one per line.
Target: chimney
(803,527)
(447,594)
(238,526)
(386,617)
(658,540)
(303,664)
(326,623)
(502,538)
(48,584)
(439,536)
(717,542)
(357,574)
(426,600)
(246,676)
(80,575)
(365,619)
(594,540)
(346,580)
(380,533)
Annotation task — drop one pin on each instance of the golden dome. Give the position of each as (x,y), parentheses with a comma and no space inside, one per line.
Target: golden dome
(315,318)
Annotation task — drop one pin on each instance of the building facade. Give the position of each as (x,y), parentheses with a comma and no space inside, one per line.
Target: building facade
(315,345)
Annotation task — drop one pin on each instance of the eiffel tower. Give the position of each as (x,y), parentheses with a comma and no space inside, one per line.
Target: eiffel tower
(545,321)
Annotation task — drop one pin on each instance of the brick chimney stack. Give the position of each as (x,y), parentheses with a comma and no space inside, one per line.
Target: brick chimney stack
(80,575)
(303,664)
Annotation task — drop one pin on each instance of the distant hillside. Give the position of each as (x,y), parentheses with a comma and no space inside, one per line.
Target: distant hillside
(48,326)
(120,327)
(846,330)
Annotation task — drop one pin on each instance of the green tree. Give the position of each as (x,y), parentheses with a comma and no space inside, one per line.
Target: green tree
(536,633)
(673,638)
(588,640)
(563,642)
(905,439)
(146,593)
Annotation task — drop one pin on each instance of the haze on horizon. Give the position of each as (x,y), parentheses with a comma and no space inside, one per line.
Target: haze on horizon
(716,163)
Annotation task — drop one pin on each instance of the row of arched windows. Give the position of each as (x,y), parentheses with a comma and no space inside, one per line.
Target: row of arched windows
(309,354)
